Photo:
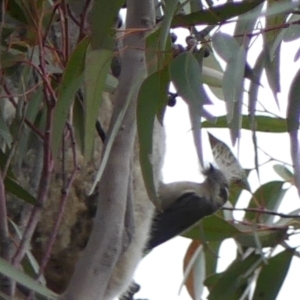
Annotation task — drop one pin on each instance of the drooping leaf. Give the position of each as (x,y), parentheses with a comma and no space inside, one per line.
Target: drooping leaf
(102,28)
(185,73)
(95,73)
(276,9)
(233,86)
(9,59)
(272,70)
(169,10)
(29,263)
(225,45)
(33,108)
(272,276)
(16,189)
(246,25)
(215,229)
(293,115)
(71,82)
(212,256)
(267,196)
(293,110)
(215,15)
(262,123)
(8,270)
(194,269)
(213,75)
(292,32)
(234,279)
(5,134)
(284,173)
(152,94)
(267,238)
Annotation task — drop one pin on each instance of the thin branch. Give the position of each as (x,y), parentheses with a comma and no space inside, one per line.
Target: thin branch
(105,247)
(42,192)
(63,201)
(262,211)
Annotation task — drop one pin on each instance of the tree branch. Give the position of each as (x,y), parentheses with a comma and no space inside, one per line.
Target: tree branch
(94,270)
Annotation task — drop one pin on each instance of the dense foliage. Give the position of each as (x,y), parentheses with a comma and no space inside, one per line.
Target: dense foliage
(56,60)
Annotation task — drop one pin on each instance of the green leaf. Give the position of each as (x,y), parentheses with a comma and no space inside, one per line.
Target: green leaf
(292,32)
(169,10)
(5,134)
(102,27)
(211,256)
(71,82)
(33,107)
(293,110)
(267,238)
(9,59)
(276,9)
(215,15)
(29,263)
(152,94)
(18,12)
(272,276)
(8,270)
(14,188)
(272,70)
(233,85)
(185,73)
(234,279)
(215,229)
(95,73)
(262,123)
(213,75)
(267,196)
(225,45)
(284,173)
(243,26)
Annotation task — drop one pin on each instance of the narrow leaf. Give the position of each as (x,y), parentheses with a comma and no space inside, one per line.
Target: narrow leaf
(262,123)
(153,91)
(95,73)
(284,173)
(216,14)
(102,28)
(267,238)
(293,115)
(215,229)
(268,196)
(225,45)
(233,84)
(234,279)
(8,270)
(16,189)
(272,276)
(185,73)
(71,82)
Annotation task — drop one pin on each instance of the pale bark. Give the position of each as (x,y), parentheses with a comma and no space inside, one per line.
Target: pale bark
(94,269)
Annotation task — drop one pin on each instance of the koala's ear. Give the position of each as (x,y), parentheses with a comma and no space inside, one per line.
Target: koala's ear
(227,162)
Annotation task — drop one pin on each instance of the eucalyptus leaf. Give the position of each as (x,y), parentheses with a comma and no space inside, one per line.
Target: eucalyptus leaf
(214,15)
(274,272)
(71,82)
(8,270)
(97,67)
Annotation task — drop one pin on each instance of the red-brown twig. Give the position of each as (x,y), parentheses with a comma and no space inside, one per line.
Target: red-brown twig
(262,211)
(63,201)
